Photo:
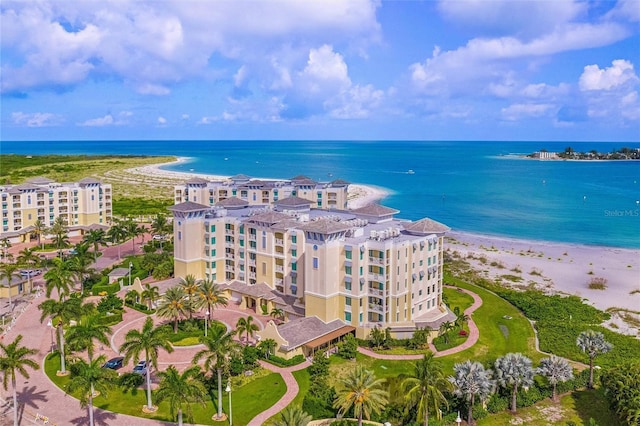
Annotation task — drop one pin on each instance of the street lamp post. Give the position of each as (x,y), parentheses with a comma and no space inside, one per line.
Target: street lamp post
(458,419)
(50,325)
(130,266)
(230,412)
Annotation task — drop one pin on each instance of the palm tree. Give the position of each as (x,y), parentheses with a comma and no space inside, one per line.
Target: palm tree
(61,313)
(133,230)
(267,346)
(173,305)
(445,327)
(117,233)
(84,334)
(60,236)
(593,343)
(181,389)
(90,378)
(555,369)
(27,258)
(95,238)
(189,286)
(293,415)
(80,263)
(60,277)
(471,380)
(39,228)
(210,296)
(150,294)
(9,271)
(461,320)
(246,325)
(219,348)
(14,357)
(514,370)
(361,390)
(160,226)
(147,340)
(277,313)
(5,245)
(425,388)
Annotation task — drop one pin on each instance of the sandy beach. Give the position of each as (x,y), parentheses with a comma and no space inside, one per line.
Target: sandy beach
(558,268)
(358,196)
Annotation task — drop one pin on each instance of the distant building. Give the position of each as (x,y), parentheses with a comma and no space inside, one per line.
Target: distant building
(323,195)
(545,155)
(81,204)
(362,267)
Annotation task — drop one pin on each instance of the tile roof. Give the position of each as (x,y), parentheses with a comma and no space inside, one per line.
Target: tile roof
(340,182)
(297,332)
(269,218)
(293,201)
(324,226)
(232,202)
(88,180)
(375,210)
(188,206)
(426,226)
(197,181)
(299,177)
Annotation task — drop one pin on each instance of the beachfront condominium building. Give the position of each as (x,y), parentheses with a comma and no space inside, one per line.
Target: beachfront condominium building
(323,195)
(80,204)
(363,267)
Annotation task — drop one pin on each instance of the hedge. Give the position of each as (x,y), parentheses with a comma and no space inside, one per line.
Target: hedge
(110,319)
(141,308)
(282,362)
(109,289)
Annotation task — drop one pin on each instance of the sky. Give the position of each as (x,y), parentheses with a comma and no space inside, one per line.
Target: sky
(349,69)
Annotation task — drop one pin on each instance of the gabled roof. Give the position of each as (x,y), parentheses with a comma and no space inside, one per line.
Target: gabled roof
(300,331)
(299,177)
(426,226)
(376,210)
(197,181)
(324,226)
(269,218)
(305,182)
(88,181)
(27,187)
(232,202)
(240,177)
(188,206)
(340,182)
(293,201)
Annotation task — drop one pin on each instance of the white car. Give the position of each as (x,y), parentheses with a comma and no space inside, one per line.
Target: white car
(158,237)
(28,273)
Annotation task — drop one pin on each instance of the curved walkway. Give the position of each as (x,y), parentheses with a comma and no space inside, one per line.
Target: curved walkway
(474,335)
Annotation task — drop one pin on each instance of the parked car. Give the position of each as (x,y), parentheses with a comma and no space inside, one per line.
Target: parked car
(27,273)
(114,363)
(158,237)
(141,368)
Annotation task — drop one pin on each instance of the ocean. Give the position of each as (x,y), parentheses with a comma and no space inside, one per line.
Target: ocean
(478,187)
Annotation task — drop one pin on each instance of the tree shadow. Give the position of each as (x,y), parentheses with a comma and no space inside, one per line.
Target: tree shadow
(100,418)
(29,397)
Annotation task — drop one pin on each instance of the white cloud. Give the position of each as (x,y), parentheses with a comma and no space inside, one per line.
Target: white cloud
(37,119)
(594,78)
(625,9)
(325,72)
(162,120)
(107,120)
(517,112)
(152,89)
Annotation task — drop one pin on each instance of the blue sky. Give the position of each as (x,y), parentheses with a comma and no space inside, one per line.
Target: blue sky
(356,69)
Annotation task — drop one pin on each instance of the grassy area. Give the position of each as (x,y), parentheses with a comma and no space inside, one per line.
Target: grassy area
(137,192)
(574,408)
(455,298)
(245,404)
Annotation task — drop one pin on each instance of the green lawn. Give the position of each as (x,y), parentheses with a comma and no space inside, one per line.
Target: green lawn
(576,407)
(245,404)
(457,298)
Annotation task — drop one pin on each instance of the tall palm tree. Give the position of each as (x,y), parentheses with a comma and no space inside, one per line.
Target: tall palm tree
(148,340)
(210,296)
(9,271)
(60,277)
(425,388)
(181,390)
(80,263)
(219,346)
(61,313)
(593,343)
(133,230)
(471,381)
(27,258)
(117,233)
(39,228)
(293,415)
(246,325)
(150,294)
(5,245)
(555,369)
(361,390)
(189,286)
(95,238)
(514,370)
(173,305)
(267,346)
(60,235)
(15,358)
(85,333)
(445,327)
(90,378)
(160,226)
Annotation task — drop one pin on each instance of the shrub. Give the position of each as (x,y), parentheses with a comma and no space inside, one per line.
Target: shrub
(109,303)
(129,381)
(109,288)
(497,403)
(110,319)
(348,347)
(598,283)
(282,362)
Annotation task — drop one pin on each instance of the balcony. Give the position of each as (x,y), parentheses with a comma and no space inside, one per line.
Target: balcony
(347,308)
(17,205)
(279,281)
(279,241)
(376,260)
(376,277)
(229,232)
(229,244)
(252,262)
(252,237)
(229,256)
(376,292)
(252,275)
(376,308)
(279,268)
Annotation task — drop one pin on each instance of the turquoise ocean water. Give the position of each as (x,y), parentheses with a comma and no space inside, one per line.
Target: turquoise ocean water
(478,187)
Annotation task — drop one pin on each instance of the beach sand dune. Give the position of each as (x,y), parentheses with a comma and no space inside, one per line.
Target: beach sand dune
(557,268)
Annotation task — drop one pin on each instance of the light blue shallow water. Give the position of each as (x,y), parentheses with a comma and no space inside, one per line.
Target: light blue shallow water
(470,186)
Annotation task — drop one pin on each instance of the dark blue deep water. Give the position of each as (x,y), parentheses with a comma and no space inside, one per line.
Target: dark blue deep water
(475,187)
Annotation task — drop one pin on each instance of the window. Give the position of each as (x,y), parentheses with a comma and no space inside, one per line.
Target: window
(213,253)
(294,239)
(264,268)
(348,254)
(294,253)
(294,266)
(361,270)
(347,316)
(213,240)
(213,228)
(315,263)
(347,285)
(179,235)
(264,241)
(347,301)
(347,269)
